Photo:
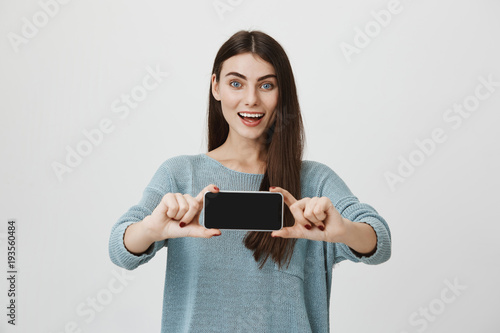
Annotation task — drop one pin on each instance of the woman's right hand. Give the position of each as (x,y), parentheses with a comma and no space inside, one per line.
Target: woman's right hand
(177,215)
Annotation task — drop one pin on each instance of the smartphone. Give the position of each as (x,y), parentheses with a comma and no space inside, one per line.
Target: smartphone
(243,210)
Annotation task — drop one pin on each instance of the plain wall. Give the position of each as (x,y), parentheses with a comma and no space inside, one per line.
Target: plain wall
(368,103)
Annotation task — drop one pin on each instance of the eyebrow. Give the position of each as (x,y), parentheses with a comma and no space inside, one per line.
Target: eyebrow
(244,77)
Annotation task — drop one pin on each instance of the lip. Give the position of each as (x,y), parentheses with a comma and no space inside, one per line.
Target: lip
(251,124)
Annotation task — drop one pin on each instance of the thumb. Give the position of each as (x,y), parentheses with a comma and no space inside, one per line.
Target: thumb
(286,232)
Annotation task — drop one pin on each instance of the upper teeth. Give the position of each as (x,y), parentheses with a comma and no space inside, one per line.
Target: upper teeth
(255,115)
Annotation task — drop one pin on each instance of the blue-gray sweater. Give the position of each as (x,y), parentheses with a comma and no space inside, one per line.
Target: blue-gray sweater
(215,285)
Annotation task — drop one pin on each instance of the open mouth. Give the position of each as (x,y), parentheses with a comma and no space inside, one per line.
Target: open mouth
(251,117)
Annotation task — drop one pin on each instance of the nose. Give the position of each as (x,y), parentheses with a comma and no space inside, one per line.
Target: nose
(251,96)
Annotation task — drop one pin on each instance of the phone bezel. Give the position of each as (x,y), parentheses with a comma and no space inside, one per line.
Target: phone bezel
(258,192)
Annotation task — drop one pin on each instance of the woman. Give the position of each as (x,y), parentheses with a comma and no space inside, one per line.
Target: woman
(250,281)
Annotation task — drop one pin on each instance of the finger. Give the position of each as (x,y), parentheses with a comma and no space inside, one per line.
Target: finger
(171,205)
(287,196)
(183,206)
(321,211)
(297,210)
(162,208)
(194,208)
(309,210)
(298,231)
(285,232)
(324,204)
(290,232)
(212,188)
(296,207)
(312,210)
(196,230)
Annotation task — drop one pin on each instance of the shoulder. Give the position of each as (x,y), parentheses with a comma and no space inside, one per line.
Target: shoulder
(176,161)
(177,166)
(182,167)
(180,163)
(174,172)
(317,170)
(318,178)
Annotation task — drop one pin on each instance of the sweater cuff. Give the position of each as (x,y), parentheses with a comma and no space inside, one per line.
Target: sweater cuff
(383,247)
(122,256)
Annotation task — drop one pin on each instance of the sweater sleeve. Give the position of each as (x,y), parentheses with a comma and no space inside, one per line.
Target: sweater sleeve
(352,209)
(159,185)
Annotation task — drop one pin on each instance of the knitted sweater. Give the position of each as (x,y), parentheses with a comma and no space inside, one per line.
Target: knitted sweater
(215,285)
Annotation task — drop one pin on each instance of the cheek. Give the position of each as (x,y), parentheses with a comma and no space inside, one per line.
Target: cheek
(271,101)
(229,106)
(229,99)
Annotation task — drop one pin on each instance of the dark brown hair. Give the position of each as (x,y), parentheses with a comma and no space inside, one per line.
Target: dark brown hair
(284,139)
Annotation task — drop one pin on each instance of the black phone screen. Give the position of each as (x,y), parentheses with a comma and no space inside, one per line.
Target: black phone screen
(258,211)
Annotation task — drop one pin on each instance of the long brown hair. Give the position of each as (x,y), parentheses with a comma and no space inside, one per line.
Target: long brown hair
(284,139)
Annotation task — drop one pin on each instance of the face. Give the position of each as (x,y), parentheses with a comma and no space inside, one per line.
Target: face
(247,87)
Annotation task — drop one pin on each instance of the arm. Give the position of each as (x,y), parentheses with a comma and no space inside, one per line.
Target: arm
(367,238)
(128,229)
(136,239)
(354,239)
(336,215)
(360,238)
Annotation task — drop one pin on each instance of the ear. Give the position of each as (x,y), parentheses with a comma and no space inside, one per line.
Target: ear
(215,88)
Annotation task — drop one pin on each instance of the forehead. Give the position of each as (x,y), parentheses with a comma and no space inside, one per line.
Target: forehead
(248,64)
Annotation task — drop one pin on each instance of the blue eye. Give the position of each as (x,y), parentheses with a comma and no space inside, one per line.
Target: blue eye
(235,84)
(267,86)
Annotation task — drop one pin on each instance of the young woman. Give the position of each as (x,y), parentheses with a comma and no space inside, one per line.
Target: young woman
(247,281)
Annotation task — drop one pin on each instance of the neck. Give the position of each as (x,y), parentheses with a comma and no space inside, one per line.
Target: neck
(244,151)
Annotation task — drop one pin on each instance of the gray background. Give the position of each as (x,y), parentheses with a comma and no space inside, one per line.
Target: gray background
(363,113)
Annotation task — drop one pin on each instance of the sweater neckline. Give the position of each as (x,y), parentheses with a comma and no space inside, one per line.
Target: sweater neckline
(225,167)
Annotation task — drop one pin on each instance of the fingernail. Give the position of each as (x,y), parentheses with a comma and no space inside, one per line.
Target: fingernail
(273,186)
(217,235)
(216,188)
(321,228)
(308,226)
(182,224)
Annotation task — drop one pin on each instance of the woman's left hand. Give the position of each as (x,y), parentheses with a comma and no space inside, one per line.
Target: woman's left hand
(315,219)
